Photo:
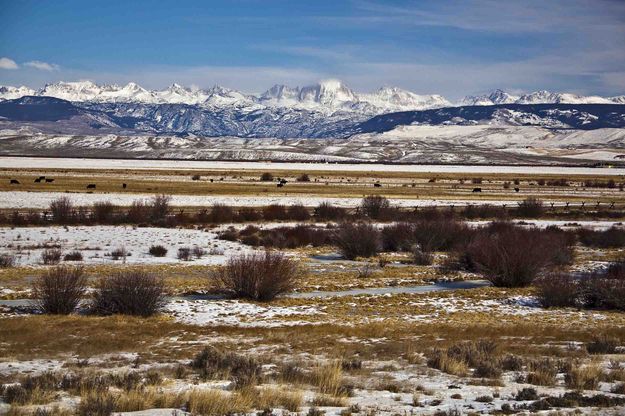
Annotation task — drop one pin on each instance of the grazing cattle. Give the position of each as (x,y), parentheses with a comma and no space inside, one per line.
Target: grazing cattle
(477,189)
(212,180)
(37,180)
(377,185)
(124,185)
(516,189)
(283,181)
(49,180)
(280,185)
(15,182)
(42,178)
(91,186)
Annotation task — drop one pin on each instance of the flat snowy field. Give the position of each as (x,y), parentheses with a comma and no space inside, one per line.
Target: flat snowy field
(20,199)
(95,243)
(70,163)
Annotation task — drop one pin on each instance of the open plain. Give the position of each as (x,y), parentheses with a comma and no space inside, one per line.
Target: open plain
(392,309)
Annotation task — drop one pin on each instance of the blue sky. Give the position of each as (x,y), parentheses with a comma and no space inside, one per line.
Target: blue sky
(449,47)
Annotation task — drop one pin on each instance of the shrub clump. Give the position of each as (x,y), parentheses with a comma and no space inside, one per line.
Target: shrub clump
(530,207)
(325,211)
(6,261)
(131,292)
(266,177)
(375,206)
(511,256)
(258,276)
(357,240)
(51,256)
(557,290)
(73,256)
(157,251)
(59,290)
(184,253)
(606,288)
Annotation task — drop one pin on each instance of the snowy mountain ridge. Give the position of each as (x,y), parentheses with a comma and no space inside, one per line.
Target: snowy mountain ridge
(327,96)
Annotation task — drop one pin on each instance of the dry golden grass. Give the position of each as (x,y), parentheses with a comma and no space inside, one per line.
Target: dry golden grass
(217,403)
(323,400)
(40,336)
(328,378)
(584,377)
(273,397)
(356,184)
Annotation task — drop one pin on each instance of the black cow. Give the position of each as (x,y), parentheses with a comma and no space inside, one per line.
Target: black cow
(15,182)
(280,185)
(477,189)
(91,186)
(42,178)
(516,189)
(124,185)
(37,180)
(49,180)
(377,185)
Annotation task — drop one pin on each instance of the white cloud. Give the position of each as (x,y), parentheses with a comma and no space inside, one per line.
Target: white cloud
(44,66)
(6,63)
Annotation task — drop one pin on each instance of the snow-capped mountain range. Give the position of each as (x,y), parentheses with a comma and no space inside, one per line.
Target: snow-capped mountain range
(328,96)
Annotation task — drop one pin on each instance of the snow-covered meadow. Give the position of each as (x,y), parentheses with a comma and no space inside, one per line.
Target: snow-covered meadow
(96,243)
(8,162)
(20,199)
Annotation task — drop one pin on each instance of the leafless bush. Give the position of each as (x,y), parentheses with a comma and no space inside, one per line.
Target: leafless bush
(51,256)
(303,178)
(557,290)
(184,253)
(198,252)
(131,292)
(266,177)
(398,237)
(61,210)
(120,253)
(59,290)
(274,212)
(6,261)
(328,212)
(248,214)
(73,256)
(258,276)
(510,256)
(472,211)
(476,181)
(159,207)
(530,207)
(439,235)
(298,212)
(138,212)
(158,251)
(606,288)
(357,240)
(292,237)
(103,212)
(196,177)
(375,206)
(613,237)
(221,213)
